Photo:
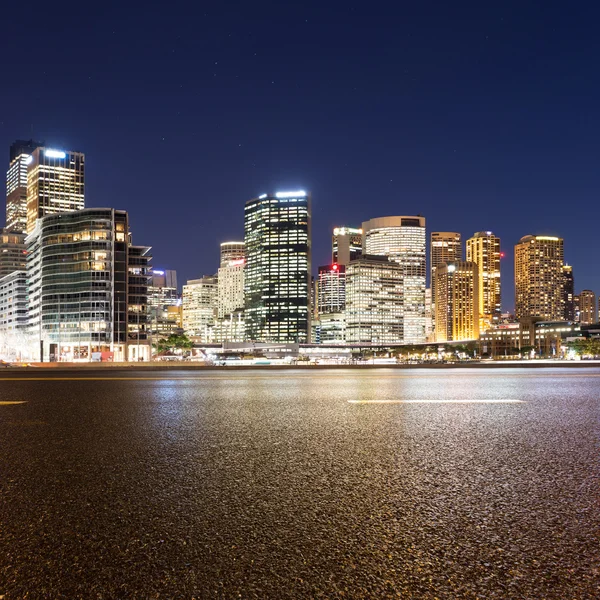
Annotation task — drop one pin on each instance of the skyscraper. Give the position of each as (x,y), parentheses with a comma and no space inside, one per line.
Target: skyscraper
(277,279)
(403,240)
(55,183)
(446,246)
(230,287)
(457,302)
(16,184)
(374,300)
(539,261)
(568,293)
(484,250)
(587,306)
(346,245)
(232,251)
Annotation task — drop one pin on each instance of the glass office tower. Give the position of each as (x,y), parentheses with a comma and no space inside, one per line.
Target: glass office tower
(277,279)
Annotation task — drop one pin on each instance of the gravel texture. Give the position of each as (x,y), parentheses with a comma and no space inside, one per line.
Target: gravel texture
(271,485)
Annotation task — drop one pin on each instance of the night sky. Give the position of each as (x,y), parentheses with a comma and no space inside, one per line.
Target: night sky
(478,116)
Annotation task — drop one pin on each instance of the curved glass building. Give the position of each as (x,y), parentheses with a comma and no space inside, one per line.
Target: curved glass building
(88,287)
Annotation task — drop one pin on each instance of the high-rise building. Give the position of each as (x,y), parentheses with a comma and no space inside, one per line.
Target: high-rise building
(232,251)
(199,302)
(403,240)
(88,287)
(346,245)
(16,184)
(330,301)
(588,312)
(374,300)
(568,293)
(576,308)
(55,183)
(331,296)
(13,252)
(277,278)
(457,302)
(539,261)
(230,297)
(484,250)
(429,316)
(162,295)
(446,246)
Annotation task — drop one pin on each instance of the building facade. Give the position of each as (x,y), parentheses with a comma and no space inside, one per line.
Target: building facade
(162,296)
(138,279)
(16,184)
(374,300)
(588,311)
(13,316)
(346,245)
(403,240)
(199,306)
(55,183)
(331,289)
(484,250)
(13,252)
(457,302)
(568,293)
(230,296)
(277,284)
(232,251)
(445,246)
(87,288)
(539,262)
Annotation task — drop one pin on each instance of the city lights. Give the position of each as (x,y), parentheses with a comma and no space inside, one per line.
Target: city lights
(298,194)
(55,153)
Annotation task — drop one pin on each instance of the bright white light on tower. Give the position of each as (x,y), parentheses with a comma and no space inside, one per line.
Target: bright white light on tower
(451,268)
(28,159)
(298,194)
(262,196)
(55,154)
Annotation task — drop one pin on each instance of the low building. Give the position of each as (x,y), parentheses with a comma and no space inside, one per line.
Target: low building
(230,328)
(544,339)
(501,341)
(330,328)
(13,316)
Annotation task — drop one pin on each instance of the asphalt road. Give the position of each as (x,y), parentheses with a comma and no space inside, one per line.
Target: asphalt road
(295,484)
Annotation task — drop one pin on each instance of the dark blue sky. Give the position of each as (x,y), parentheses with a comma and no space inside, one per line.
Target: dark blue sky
(478,116)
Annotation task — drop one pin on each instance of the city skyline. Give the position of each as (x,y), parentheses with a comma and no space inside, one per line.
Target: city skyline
(508,305)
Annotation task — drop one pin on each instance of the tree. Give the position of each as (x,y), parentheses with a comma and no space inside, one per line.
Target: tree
(173,343)
(586,346)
